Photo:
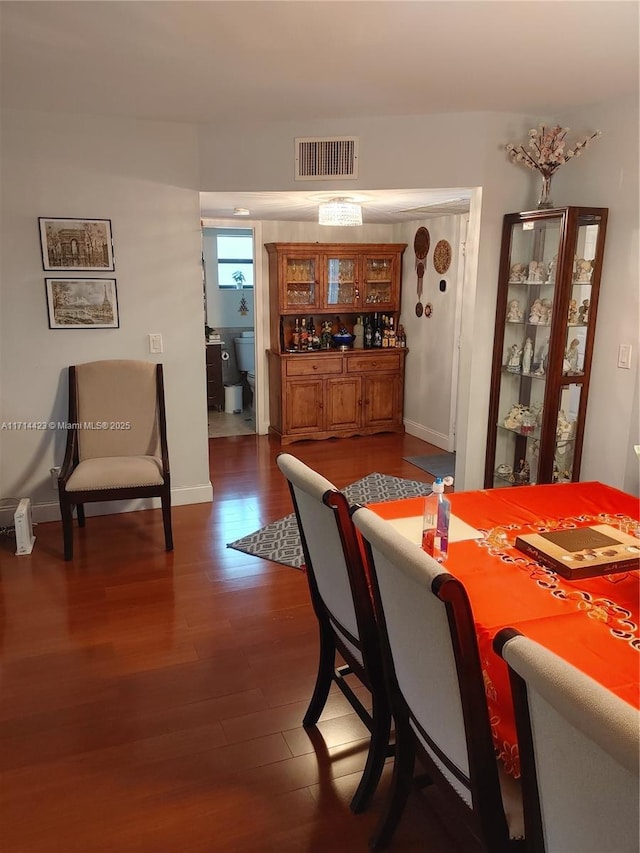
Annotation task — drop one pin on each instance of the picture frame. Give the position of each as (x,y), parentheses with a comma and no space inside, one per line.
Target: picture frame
(82,303)
(76,245)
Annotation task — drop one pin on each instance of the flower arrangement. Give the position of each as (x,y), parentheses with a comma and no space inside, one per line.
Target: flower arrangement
(547,153)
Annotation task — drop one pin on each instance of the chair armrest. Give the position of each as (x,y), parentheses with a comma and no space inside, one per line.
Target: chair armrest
(70,455)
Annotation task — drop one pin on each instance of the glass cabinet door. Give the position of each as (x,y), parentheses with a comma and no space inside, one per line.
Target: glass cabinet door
(300,283)
(545,316)
(379,282)
(341,281)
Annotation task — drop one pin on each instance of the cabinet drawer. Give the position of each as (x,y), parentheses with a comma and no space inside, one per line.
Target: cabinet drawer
(382,361)
(309,366)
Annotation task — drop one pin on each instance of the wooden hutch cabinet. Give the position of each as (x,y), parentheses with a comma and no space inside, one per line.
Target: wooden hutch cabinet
(326,393)
(548,287)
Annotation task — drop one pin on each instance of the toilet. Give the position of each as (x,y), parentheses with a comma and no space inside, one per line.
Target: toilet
(246,359)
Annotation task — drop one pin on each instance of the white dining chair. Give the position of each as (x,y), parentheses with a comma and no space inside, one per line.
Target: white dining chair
(434,677)
(341,599)
(579,754)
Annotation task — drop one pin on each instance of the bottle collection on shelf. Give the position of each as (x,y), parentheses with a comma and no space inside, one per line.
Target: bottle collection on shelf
(369,332)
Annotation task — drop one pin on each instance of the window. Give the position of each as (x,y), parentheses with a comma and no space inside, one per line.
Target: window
(234,248)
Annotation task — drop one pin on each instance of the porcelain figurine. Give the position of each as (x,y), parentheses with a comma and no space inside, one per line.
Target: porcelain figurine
(536,271)
(546,306)
(535,312)
(584,268)
(514,314)
(551,273)
(513,362)
(517,273)
(571,357)
(543,355)
(583,312)
(573,312)
(527,356)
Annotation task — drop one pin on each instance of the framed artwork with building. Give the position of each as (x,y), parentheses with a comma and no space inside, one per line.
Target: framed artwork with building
(76,244)
(82,303)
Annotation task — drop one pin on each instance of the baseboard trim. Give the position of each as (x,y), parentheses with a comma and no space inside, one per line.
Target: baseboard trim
(419,431)
(203,493)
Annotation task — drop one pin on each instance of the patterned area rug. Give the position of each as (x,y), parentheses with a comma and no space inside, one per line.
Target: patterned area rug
(280,541)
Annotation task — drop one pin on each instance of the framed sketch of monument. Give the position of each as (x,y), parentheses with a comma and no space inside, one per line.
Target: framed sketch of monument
(82,303)
(76,244)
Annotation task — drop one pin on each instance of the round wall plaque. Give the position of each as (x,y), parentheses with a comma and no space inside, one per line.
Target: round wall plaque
(442,256)
(421,243)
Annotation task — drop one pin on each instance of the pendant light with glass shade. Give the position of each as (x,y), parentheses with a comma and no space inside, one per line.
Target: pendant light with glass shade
(340,211)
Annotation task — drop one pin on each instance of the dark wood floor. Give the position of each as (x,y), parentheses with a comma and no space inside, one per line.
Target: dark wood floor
(153,701)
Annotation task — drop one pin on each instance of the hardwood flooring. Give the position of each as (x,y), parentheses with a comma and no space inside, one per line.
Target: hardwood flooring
(152,702)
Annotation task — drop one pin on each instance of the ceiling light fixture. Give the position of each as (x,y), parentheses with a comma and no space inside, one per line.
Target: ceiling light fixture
(240,211)
(340,211)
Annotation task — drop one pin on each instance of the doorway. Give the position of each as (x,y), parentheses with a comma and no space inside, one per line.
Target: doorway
(228,261)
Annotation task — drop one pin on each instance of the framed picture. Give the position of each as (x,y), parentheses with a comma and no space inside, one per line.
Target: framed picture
(76,244)
(82,303)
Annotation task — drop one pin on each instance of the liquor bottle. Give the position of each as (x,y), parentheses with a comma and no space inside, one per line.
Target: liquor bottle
(385,331)
(377,332)
(358,334)
(393,342)
(311,331)
(304,335)
(368,333)
(295,340)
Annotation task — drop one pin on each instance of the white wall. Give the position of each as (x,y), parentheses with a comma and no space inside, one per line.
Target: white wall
(144,177)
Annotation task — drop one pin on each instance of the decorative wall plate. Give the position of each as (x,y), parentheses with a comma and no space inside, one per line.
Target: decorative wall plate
(428,310)
(419,309)
(421,243)
(442,256)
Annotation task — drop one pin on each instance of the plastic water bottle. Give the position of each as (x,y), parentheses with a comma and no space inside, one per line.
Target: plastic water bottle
(435,522)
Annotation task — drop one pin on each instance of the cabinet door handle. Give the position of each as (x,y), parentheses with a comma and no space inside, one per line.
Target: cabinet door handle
(314,366)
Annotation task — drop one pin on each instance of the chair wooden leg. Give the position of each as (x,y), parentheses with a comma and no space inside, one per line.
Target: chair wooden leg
(67,529)
(400,785)
(80,514)
(326,665)
(378,750)
(166,520)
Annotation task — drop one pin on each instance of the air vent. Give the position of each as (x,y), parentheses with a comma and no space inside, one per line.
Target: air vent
(326,158)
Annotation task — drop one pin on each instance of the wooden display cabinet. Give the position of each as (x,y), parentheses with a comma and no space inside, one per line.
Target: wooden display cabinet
(548,288)
(333,393)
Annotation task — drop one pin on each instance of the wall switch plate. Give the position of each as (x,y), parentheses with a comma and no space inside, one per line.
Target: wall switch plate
(155,343)
(624,356)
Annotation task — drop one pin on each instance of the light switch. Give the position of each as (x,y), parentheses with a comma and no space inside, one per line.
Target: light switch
(624,356)
(155,343)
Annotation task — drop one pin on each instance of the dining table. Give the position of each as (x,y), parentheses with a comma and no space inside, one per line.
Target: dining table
(591,622)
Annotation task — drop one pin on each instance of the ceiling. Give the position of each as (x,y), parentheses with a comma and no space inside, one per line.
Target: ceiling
(215,61)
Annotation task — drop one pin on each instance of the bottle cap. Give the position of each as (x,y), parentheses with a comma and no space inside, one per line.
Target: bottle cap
(438,486)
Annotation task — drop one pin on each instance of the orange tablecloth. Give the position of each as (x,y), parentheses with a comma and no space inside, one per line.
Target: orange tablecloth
(593,623)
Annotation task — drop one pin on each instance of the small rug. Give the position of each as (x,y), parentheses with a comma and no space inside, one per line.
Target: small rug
(439,465)
(280,541)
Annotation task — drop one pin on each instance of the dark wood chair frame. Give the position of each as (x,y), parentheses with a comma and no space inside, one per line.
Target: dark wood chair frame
(370,672)
(486,820)
(69,500)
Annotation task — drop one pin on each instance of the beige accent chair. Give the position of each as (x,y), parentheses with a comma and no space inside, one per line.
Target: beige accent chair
(434,678)
(579,754)
(340,596)
(116,442)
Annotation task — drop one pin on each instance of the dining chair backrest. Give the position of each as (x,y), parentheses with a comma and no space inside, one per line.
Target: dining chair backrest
(342,602)
(579,753)
(433,665)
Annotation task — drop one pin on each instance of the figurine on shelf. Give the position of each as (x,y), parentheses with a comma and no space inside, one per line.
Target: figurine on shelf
(583,312)
(514,417)
(535,312)
(564,427)
(546,306)
(517,273)
(551,273)
(514,314)
(584,268)
(543,355)
(573,312)
(514,355)
(527,356)
(524,472)
(570,364)
(536,272)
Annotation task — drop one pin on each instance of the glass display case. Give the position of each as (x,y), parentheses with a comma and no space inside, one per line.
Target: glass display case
(549,279)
